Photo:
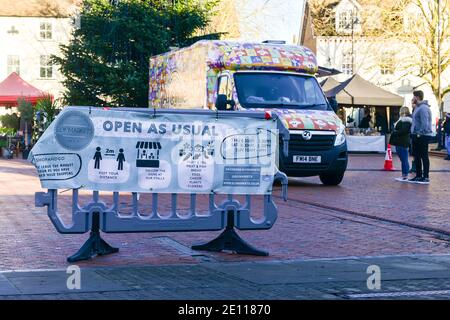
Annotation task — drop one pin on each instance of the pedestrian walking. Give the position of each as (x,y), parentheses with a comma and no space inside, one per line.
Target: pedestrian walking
(400,138)
(421,132)
(446,127)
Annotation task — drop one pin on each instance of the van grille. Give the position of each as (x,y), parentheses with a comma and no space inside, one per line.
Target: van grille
(316,143)
(305,166)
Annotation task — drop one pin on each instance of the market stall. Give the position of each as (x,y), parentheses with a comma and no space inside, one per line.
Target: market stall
(365,140)
(369,112)
(14,88)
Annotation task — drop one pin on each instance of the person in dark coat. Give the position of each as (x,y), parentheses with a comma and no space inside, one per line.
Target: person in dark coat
(446,127)
(400,138)
(365,121)
(381,122)
(333,103)
(411,152)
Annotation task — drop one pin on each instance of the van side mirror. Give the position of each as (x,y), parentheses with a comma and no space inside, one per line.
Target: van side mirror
(221,102)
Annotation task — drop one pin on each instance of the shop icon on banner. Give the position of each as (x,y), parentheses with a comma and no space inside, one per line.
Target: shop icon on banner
(153,173)
(147,154)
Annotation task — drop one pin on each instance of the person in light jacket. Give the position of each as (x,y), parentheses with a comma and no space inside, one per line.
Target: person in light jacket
(400,138)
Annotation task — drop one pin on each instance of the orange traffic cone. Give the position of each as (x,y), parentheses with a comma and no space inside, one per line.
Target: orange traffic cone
(388,165)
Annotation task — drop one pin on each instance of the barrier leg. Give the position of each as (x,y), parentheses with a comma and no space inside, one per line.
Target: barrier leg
(230,240)
(95,245)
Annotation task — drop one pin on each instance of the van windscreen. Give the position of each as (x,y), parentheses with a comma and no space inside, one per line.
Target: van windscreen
(279,90)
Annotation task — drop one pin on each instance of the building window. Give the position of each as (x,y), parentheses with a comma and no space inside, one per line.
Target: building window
(347,63)
(13,64)
(46,30)
(46,67)
(348,20)
(344,20)
(387,63)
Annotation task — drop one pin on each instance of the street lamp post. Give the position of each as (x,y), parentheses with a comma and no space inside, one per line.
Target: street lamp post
(353,43)
(354,21)
(441,115)
(439,71)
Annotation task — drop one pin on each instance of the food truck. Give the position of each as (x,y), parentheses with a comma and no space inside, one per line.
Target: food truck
(222,75)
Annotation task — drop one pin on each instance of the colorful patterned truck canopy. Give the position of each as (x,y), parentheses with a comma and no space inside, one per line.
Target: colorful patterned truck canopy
(236,56)
(187,78)
(308,119)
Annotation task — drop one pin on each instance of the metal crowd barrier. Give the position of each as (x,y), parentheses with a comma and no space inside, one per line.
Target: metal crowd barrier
(96,215)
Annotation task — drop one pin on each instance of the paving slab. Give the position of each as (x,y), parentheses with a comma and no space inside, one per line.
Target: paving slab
(6,288)
(302,272)
(53,282)
(169,277)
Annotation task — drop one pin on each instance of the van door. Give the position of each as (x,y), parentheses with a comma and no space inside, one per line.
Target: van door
(225,85)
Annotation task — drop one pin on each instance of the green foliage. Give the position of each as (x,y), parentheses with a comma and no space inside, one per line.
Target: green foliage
(47,109)
(10,123)
(7,131)
(25,109)
(107,61)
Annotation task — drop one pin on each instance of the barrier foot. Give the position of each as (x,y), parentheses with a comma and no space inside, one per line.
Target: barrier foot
(95,245)
(230,240)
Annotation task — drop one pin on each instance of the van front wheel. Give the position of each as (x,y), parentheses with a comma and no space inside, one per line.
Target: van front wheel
(332,179)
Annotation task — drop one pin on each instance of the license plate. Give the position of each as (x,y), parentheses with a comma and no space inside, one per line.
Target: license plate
(307,159)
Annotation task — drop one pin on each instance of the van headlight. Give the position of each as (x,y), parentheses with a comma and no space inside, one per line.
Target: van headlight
(340,137)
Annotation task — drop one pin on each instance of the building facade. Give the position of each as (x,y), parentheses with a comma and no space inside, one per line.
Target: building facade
(30,32)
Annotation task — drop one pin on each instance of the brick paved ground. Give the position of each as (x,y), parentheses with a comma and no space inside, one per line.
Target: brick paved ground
(377,193)
(305,229)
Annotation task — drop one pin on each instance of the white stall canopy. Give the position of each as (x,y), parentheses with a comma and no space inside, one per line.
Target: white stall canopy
(356,91)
